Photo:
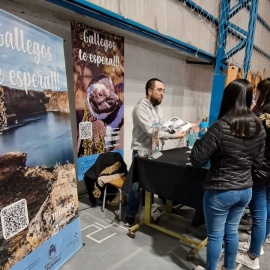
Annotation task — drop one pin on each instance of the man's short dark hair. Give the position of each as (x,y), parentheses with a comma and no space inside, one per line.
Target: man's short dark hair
(151,84)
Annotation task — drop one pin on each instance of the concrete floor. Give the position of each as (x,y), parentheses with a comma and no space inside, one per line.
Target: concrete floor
(108,247)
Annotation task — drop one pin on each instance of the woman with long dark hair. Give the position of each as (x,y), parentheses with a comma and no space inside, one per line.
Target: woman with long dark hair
(260,203)
(234,144)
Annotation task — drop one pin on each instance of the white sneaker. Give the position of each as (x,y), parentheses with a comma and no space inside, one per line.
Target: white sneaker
(199,268)
(154,208)
(267,241)
(244,259)
(245,246)
(155,213)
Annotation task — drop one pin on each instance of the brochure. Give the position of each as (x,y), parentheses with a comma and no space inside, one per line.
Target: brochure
(176,124)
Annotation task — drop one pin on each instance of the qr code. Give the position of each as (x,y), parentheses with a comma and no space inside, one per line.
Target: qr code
(85,130)
(14,218)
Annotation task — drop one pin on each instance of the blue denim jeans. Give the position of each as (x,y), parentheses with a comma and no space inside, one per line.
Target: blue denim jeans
(134,200)
(260,212)
(135,196)
(223,211)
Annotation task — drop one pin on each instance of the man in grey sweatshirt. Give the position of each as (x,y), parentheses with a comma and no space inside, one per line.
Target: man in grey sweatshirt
(146,113)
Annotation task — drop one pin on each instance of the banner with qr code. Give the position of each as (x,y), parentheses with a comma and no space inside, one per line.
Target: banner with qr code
(98,73)
(38,191)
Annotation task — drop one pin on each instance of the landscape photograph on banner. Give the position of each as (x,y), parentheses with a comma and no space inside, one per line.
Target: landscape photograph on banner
(98,76)
(38,181)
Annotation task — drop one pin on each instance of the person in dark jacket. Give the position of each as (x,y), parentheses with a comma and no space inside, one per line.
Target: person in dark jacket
(234,144)
(260,203)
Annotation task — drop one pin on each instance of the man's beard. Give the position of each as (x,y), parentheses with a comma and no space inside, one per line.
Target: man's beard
(154,101)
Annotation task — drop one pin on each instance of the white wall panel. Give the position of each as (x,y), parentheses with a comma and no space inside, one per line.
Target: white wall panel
(168,17)
(175,19)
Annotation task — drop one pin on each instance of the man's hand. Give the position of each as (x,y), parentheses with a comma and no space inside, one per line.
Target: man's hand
(179,134)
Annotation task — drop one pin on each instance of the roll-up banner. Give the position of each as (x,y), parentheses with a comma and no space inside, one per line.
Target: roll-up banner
(98,71)
(40,226)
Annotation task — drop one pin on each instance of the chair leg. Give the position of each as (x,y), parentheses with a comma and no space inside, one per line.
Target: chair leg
(120,203)
(104,198)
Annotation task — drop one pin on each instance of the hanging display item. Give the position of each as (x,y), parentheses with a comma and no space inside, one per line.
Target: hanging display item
(98,75)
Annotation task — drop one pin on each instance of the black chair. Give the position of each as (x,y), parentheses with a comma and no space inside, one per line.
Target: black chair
(105,165)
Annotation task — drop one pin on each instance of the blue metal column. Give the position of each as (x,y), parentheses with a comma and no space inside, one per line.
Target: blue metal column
(219,77)
(246,40)
(253,13)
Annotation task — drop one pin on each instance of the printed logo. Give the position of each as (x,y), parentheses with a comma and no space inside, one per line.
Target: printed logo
(52,251)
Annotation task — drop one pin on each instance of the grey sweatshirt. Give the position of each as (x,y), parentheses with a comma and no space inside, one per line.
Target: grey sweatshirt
(144,115)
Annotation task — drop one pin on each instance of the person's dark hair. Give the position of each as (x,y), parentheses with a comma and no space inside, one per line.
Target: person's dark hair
(236,102)
(151,84)
(263,88)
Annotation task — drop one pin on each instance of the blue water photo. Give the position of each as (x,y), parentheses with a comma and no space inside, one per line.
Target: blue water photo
(46,138)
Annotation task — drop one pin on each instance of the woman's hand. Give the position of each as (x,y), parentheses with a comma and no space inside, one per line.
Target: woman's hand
(195,127)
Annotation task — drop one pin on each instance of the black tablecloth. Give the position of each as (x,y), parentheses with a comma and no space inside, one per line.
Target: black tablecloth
(171,178)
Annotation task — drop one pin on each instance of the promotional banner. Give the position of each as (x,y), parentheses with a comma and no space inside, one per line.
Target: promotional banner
(40,226)
(98,68)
